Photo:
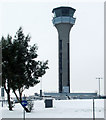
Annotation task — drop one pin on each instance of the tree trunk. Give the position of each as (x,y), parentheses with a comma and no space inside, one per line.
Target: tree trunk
(8,97)
(9,101)
(20,102)
(20,94)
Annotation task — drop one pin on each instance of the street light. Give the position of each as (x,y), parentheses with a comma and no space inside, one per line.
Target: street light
(99,78)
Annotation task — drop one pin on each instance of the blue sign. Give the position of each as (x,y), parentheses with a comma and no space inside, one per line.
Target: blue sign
(24,103)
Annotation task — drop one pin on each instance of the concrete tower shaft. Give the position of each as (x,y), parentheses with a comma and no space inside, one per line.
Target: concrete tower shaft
(64,55)
(63,20)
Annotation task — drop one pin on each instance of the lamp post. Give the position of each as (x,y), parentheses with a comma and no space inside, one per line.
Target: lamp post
(99,78)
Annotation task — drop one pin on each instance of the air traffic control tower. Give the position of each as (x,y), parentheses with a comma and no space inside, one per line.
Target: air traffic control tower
(63,20)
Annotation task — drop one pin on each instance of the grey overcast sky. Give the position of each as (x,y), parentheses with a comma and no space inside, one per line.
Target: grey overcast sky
(86,38)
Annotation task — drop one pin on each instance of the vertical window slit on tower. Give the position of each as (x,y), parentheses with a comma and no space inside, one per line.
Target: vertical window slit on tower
(60,65)
(68,64)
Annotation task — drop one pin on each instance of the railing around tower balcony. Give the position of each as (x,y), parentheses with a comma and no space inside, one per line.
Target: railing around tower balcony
(62,19)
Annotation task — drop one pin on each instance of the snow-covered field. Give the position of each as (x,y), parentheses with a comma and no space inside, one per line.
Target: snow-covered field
(61,109)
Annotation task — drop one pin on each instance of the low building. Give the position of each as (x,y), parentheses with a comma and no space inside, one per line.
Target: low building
(71,95)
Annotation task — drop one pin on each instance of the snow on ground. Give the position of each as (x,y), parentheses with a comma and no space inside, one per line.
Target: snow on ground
(61,109)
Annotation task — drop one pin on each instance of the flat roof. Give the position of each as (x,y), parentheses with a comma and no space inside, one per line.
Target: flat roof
(61,8)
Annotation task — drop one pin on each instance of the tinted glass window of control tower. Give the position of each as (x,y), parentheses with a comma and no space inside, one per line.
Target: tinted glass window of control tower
(65,12)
